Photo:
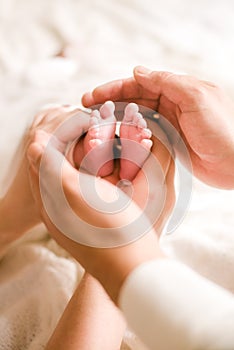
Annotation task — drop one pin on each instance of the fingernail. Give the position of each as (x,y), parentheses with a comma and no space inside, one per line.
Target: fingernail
(142,70)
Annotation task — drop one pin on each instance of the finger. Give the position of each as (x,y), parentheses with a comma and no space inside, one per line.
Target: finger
(51,175)
(118,90)
(42,112)
(50,112)
(53,118)
(34,154)
(114,90)
(37,146)
(74,126)
(46,145)
(35,188)
(65,126)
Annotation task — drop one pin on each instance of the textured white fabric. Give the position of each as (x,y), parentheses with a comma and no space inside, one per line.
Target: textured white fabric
(35,285)
(106,38)
(171,307)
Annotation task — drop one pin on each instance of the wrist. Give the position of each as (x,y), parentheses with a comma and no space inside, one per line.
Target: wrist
(122,261)
(14,220)
(5,227)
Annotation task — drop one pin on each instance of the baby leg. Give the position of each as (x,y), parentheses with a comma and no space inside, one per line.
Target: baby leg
(135,141)
(97,146)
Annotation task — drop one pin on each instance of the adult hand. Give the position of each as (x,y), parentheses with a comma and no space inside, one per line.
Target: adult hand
(199,110)
(107,265)
(18,210)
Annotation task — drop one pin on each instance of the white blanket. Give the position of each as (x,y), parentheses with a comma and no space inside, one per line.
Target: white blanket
(106,39)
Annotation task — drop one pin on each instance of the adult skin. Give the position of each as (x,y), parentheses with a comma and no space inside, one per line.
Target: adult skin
(18,210)
(107,265)
(81,323)
(201,112)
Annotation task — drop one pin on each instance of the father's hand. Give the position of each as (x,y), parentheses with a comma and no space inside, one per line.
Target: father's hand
(199,110)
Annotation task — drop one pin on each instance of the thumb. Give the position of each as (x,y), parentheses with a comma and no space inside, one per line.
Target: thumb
(46,157)
(51,173)
(36,149)
(52,177)
(141,70)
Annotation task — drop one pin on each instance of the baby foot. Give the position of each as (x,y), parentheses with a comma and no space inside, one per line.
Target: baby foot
(135,141)
(98,142)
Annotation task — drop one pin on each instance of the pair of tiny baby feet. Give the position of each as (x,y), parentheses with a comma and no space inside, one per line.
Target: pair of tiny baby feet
(98,143)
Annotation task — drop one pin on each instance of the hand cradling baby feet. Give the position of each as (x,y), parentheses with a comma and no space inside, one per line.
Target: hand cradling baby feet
(95,152)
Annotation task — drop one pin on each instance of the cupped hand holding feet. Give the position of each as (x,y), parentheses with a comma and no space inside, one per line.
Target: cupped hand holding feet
(18,209)
(201,112)
(107,265)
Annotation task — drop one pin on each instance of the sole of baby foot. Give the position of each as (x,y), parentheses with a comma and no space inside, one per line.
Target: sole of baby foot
(97,153)
(135,142)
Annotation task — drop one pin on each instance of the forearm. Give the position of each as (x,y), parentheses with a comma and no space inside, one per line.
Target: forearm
(90,321)
(14,222)
(15,217)
(124,260)
(9,225)
(110,266)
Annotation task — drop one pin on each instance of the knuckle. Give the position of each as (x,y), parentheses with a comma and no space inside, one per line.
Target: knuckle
(163,76)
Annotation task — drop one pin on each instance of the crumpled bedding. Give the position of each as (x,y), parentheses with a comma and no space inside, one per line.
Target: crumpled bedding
(102,40)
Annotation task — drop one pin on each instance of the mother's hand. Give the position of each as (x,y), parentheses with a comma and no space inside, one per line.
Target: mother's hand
(18,210)
(105,264)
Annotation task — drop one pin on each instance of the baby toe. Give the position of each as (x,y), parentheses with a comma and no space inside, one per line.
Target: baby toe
(94,143)
(146,133)
(130,111)
(147,143)
(107,109)
(131,108)
(94,121)
(95,113)
(141,123)
(137,119)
